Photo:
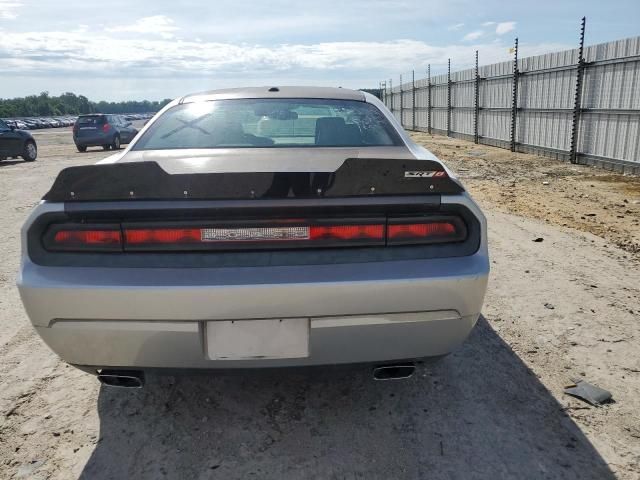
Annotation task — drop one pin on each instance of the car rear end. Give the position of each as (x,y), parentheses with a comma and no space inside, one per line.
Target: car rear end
(92,131)
(247,258)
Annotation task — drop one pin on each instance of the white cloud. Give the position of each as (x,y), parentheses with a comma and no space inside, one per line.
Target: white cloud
(488,24)
(157,24)
(159,68)
(50,53)
(457,26)
(505,27)
(8,9)
(473,35)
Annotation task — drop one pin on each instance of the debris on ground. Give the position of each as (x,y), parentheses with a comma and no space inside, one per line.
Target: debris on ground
(588,392)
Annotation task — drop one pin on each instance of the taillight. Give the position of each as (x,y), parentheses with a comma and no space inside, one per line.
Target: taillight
(75,128)
(83,238)
(346,232)
(106,127)
(276,234)
(266,236)
(425,230)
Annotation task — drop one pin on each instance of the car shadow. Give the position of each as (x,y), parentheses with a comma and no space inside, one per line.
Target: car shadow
(6,163)
(479,413)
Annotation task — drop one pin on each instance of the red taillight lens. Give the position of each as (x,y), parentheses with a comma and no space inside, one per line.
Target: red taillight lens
(401,231)
(420,230)
(106,127)
(87,237)
(163,235)
(82,238)
(346,232)
(279,235)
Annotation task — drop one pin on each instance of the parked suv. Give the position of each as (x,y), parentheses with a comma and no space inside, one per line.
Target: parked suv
(16,143)
(107,131)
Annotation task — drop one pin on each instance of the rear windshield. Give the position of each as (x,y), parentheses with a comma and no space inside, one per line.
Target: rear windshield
(269,123)
(91,120)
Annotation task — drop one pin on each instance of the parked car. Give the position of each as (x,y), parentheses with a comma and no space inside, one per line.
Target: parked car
(16,143)
(256,227)
(31,124)
(19,124)
(107,131)
(45,123)
(53,123)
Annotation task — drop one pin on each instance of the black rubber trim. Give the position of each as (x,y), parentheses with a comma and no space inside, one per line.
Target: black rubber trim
(148,181)
(267,208)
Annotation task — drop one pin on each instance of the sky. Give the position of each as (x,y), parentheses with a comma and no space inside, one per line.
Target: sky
(133,50)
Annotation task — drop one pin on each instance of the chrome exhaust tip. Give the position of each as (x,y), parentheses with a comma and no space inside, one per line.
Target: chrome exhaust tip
(394,372)
(122,378)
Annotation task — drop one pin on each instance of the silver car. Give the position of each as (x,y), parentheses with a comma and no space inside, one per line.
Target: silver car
(256,227)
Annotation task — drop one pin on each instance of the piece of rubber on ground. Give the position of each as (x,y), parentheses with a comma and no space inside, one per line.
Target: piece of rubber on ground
(587,392)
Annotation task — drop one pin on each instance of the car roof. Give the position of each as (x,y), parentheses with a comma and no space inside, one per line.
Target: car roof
(276,92)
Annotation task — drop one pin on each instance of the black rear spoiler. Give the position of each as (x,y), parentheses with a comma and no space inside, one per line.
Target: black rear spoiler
(148,181)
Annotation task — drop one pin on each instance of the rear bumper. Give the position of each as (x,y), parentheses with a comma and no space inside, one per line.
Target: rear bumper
(333,340)
(93,141)
(156,317)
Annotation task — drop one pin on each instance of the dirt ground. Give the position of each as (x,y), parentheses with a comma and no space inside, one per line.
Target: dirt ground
(581,197)
(494,409)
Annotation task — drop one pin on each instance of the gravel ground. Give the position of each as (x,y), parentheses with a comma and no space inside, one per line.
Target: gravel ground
(494,409)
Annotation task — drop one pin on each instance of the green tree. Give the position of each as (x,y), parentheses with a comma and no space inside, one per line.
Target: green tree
(71,104)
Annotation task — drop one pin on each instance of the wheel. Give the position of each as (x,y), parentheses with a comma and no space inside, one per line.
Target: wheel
(30,151)
(106,147)
(81,148)
(116,143)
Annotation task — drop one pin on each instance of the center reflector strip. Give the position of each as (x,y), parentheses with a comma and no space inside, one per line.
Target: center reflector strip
(254,234)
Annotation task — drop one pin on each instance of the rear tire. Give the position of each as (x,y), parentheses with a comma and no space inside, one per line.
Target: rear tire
(116,143)
(81,148)
(30,151)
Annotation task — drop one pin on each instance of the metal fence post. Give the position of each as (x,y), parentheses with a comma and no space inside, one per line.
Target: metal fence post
(386,99)
(401,104)
(476,102)
(449,97)
(429,99)
(413,100)
(514,98)
(391,94)
(577,107)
